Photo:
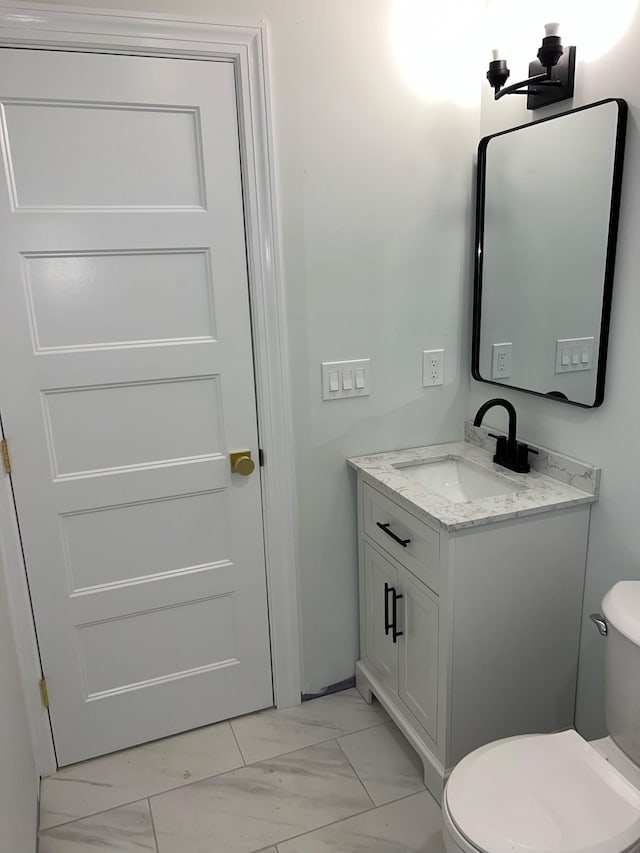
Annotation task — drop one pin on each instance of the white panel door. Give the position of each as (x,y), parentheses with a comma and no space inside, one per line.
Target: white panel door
(126,380)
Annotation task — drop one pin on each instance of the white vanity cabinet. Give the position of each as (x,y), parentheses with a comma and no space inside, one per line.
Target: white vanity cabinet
(401,635)
(468,635)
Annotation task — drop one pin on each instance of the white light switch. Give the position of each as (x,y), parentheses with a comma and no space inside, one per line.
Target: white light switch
(574,354)
(342,379)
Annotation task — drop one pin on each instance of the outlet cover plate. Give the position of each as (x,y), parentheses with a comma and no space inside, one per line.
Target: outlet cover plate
(501,361)
(432,367)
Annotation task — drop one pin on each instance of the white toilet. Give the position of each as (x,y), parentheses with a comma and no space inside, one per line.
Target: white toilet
(557,793)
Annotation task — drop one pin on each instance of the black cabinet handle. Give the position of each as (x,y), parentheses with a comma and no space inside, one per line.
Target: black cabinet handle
(391,624)
(385,527)
(396,633)
(388,625)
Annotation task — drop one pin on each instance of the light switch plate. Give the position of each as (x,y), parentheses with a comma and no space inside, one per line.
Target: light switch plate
(573,354)
(349,371)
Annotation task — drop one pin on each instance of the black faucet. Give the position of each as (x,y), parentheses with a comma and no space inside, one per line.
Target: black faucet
(510,453)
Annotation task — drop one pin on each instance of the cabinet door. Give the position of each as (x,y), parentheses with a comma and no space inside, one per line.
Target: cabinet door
(418,652)
(380,650)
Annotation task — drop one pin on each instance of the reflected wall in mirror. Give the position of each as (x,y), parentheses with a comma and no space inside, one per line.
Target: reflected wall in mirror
(547,218)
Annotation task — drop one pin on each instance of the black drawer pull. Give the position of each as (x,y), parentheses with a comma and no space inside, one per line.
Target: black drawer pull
(391,624)
(385,527)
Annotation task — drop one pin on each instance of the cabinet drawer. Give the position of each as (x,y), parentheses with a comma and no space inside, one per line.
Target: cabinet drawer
(421,554)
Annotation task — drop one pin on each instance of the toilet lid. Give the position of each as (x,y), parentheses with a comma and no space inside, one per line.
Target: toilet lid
(543,793)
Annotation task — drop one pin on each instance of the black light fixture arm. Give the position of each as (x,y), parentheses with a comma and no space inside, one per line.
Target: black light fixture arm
(550,76)
(523,87)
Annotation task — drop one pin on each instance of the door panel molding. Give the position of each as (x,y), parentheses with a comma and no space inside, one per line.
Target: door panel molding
(247,48)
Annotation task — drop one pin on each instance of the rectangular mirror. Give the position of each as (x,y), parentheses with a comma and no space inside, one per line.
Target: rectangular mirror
(546,225)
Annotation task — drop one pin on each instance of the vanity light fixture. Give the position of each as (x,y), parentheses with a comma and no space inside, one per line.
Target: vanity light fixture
(551,75)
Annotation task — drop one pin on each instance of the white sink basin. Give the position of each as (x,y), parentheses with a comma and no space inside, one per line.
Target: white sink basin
(457,480)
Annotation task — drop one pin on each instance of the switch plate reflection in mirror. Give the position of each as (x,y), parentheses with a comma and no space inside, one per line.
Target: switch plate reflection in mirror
(574,354)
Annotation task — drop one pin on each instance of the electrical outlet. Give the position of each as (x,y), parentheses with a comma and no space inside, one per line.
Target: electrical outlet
(501,361)
(432,367)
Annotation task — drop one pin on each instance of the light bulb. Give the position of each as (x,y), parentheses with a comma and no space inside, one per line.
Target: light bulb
(495,54)
(514,25)
(551,29)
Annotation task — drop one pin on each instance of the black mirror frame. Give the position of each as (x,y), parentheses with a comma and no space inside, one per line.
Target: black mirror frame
(614,216)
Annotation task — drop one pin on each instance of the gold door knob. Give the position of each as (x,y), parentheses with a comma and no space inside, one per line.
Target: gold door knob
(241,462)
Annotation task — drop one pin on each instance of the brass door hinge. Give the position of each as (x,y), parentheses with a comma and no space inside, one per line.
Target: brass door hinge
(44,693)
(6,460)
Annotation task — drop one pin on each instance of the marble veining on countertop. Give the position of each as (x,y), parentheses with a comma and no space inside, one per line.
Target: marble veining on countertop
(571,471)
(548,486)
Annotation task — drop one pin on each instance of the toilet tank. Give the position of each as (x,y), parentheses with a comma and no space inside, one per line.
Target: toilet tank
(621,608)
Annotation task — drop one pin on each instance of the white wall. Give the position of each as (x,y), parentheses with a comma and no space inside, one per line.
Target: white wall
(607,436)
(376,262)
(374,187)
(18,779)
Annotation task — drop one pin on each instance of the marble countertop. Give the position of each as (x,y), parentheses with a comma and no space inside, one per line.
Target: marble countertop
(550,486)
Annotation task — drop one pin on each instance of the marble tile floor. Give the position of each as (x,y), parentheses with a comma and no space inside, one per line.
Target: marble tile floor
(333,775)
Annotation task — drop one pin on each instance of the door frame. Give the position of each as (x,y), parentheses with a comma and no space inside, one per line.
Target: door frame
(246,46)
